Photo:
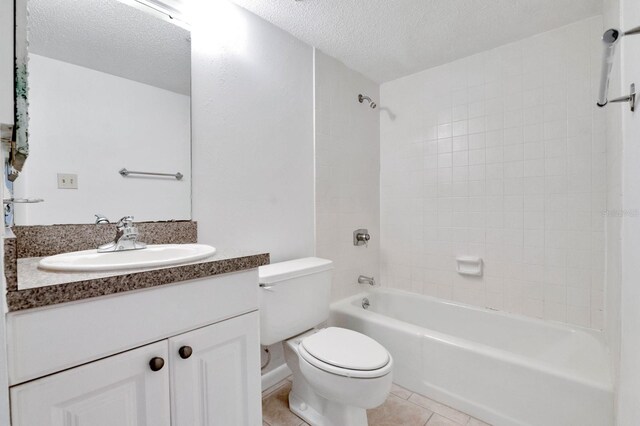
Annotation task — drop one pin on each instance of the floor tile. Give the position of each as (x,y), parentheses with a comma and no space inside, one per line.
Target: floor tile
(270,389)
(402,407)
(400,391)
(443,410)
(275,408)
(438,420)
(396,411)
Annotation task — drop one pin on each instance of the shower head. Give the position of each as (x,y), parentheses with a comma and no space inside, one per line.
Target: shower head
(362,98)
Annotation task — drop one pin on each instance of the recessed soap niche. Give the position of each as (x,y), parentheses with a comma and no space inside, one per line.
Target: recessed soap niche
(469,265)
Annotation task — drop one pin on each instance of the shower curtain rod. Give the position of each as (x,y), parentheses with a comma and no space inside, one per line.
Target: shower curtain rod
(609,40)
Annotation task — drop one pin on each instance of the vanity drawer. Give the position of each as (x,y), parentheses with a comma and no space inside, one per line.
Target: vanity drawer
(47,340)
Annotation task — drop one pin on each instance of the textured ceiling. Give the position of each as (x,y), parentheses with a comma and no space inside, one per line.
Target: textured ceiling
(388,39)
(112,37)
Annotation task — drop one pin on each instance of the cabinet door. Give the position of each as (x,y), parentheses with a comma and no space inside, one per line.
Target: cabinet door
(219,382)
(120,390)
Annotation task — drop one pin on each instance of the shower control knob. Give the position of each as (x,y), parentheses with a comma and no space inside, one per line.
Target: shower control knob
(361,237)
(156,363)
(185,352)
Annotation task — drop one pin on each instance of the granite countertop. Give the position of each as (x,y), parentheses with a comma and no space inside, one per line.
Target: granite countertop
(37,288)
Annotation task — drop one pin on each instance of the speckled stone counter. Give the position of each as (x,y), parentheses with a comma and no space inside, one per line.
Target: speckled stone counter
(10,260)
(47,240)
(29,287)
(43,288)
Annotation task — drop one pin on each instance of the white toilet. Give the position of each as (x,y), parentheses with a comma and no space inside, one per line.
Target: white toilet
(337,373)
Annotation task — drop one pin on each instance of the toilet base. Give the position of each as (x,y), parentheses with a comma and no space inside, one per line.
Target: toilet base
(304,411)
(335,414)
(335,400)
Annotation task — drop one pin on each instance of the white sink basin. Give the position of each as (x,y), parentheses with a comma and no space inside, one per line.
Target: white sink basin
(152,256)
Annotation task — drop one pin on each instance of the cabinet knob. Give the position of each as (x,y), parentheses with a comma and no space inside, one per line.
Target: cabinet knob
(156,363)
(185,352)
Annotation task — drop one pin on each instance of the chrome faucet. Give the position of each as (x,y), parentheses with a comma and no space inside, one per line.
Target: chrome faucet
(126,237)
(366,280)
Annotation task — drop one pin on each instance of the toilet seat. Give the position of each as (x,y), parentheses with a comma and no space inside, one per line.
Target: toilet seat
(346,353)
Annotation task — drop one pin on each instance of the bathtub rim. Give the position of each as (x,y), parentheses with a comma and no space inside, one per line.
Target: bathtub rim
(559,325)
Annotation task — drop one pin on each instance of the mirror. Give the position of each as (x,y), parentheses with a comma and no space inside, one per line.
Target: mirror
(106,85)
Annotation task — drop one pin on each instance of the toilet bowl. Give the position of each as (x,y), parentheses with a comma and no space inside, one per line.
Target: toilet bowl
(337,375)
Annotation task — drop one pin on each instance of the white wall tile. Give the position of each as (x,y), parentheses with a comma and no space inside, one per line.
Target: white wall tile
(518,176)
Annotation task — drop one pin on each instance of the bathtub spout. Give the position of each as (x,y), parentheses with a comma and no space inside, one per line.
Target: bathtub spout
(366,280)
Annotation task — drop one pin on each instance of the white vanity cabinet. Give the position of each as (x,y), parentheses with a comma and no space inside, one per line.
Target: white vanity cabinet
(182,355)
(212,374)
(119,390)
(198,378)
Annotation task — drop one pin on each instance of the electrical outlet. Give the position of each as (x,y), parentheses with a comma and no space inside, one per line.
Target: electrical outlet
(67,181)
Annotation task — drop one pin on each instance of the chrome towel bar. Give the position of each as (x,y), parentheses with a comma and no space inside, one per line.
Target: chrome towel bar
(124,172)
(22,200)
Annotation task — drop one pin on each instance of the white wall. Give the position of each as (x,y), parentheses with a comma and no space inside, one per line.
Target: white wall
(629,377)
(252,144)
(93,124)
(500,155)
(347,173)
(252,147)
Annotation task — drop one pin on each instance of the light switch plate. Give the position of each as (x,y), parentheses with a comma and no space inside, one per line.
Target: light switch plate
(67,181)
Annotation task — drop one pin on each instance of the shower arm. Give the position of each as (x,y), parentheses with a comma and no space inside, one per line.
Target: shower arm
(362,98)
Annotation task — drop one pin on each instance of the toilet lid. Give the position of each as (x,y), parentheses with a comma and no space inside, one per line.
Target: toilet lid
(346,349)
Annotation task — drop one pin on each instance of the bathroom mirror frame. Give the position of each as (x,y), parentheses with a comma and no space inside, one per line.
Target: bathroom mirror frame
(20,147)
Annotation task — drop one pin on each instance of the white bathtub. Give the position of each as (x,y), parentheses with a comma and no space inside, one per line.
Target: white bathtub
(504,369)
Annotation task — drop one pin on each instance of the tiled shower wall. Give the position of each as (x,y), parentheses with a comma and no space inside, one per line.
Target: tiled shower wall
(347,156)
(613,219)
(500,155)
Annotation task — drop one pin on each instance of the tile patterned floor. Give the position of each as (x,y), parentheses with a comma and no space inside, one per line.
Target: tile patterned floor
(402,407)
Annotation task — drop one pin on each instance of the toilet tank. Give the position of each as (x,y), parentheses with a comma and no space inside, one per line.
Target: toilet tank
(294,297)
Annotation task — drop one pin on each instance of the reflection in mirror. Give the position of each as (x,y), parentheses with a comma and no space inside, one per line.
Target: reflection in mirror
(109,88)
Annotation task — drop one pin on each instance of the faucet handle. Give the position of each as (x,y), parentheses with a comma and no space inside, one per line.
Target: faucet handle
(100,218)
(361,237)
(126,237)
(125,222)
(128,231)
